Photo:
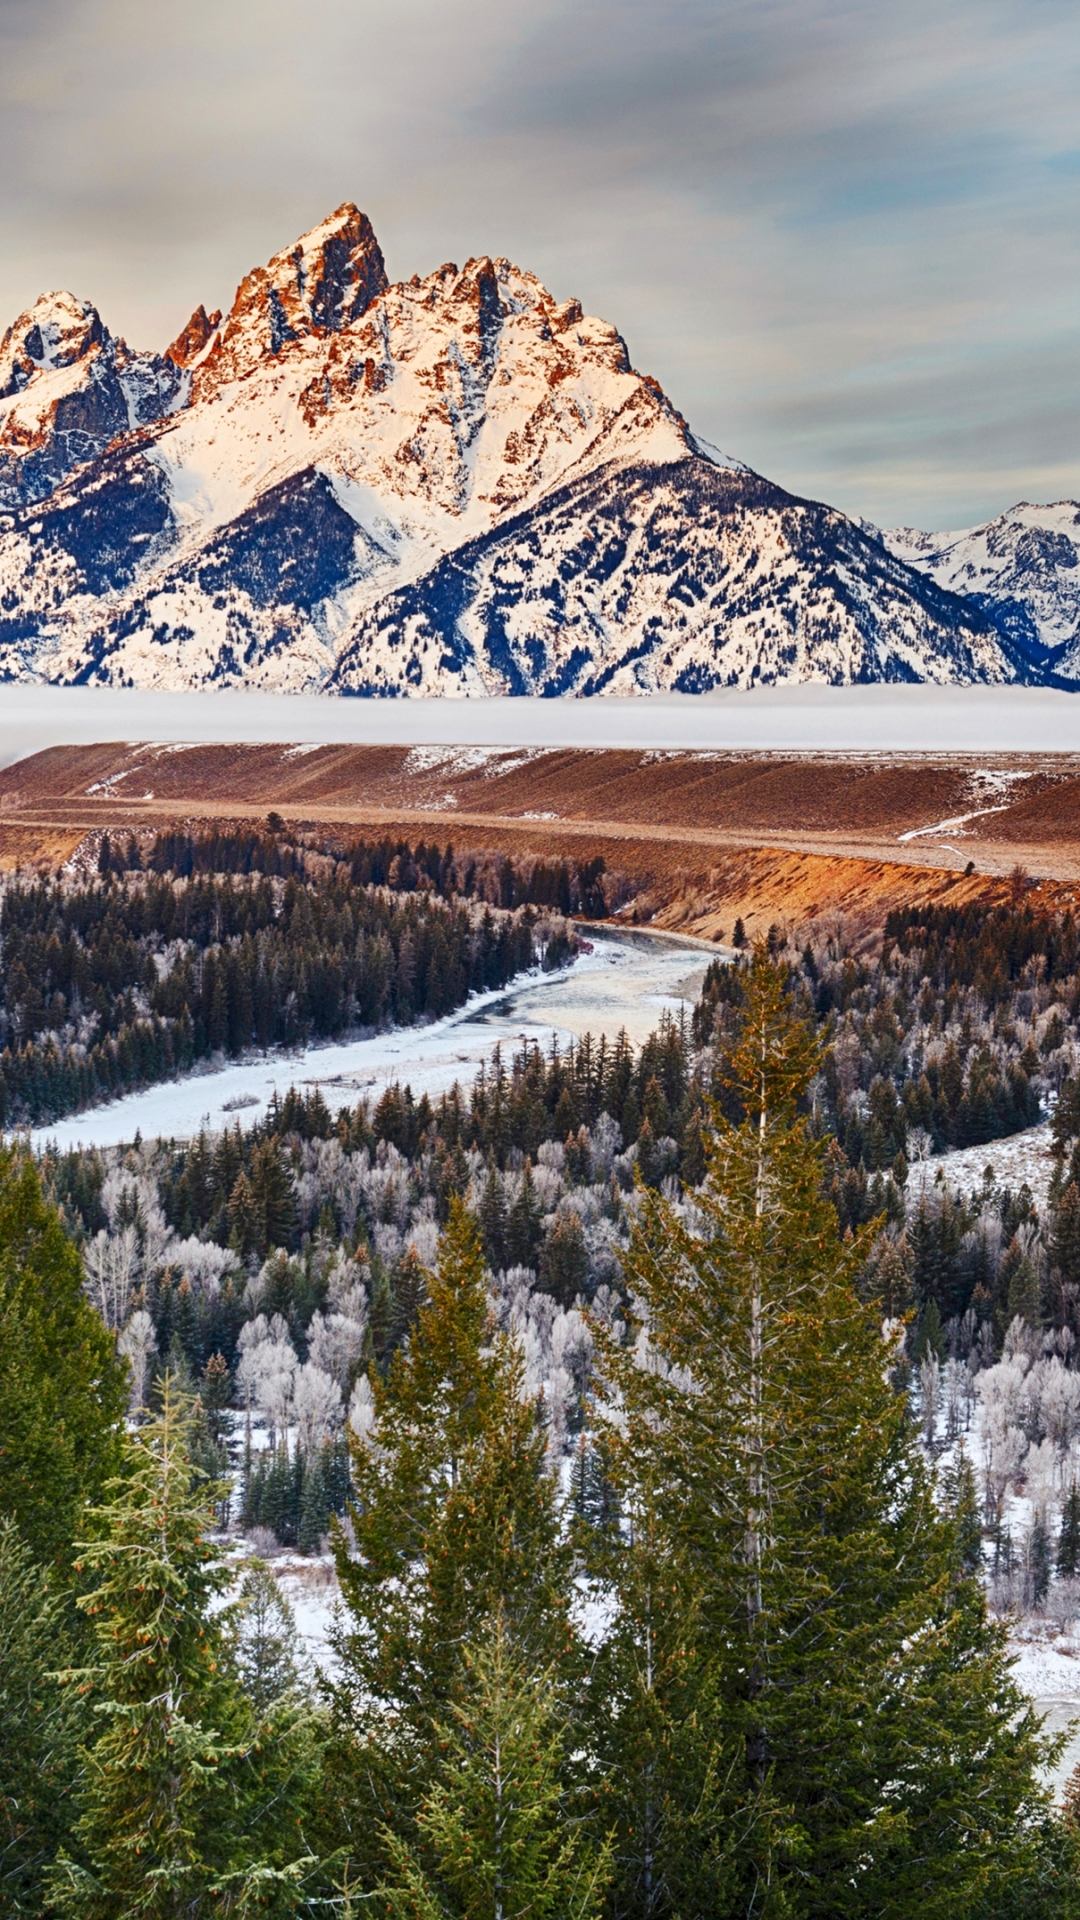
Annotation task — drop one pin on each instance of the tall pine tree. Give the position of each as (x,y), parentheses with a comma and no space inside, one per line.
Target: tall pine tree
(189,1803)
(861,1748)
(62,1389)
(455,1521)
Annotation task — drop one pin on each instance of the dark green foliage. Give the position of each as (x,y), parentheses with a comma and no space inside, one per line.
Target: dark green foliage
(189,1802)
(1039,1562)
(454,1526)
(789,1588)
(295,1498)
(1068,1551)
(937,968)
(62,1390)
(497,1831)
(265,1644)
(564,1261)
(41,1724)
(961,1501)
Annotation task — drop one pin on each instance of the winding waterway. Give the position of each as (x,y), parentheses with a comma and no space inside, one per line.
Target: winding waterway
(625,982)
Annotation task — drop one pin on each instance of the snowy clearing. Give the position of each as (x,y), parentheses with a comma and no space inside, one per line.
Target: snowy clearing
(1020,1159)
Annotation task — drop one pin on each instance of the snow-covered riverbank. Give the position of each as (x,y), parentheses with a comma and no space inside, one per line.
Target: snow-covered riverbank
(625,982)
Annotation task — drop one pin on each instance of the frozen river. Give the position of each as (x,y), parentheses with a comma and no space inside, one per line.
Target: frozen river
(627,981)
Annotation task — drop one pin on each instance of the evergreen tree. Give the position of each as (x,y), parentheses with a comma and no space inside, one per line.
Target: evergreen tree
(1020,1283)
(1068,1550)
(797,1531)
(63,1391)
(962,1504)
(493,1222)
(40,1727)
(497,1833)
(314,1505)
(454,1520)
(265,1639)
(564,1261)
(523,1223)
(188,1803)
(1038,1562)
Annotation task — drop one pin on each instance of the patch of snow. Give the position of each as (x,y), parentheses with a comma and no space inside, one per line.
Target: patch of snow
(1018,1160)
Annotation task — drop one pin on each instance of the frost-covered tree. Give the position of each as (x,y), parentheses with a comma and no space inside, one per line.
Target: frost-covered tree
(316,1407)
(136,1345)
(113,1264)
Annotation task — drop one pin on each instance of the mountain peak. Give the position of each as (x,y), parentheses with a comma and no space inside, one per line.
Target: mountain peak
(56,331)
(194,339)
(322,283)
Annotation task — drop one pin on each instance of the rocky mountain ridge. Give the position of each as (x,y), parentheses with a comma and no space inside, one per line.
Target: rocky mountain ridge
(1022,568)
(454,484)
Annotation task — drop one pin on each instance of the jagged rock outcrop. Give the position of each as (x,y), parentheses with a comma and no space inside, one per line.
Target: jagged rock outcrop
(192,341)
(453,484)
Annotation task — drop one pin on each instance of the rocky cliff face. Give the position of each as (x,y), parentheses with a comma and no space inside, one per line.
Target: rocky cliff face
(455,484)
(67,390)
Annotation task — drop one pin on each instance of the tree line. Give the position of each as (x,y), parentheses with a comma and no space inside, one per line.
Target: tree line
(954,1032)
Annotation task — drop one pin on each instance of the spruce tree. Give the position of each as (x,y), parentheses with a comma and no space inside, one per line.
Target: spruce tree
(40,1727)
(860,1747)
(1068,1551)
(188,1803)
(266,1645)
(564,1260)
(1038,1562)
(962,1504)
(454,1520)
(497,1832)
(63,1391)
(314,1504)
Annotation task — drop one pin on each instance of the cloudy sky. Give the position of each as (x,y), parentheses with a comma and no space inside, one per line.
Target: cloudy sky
(843,234)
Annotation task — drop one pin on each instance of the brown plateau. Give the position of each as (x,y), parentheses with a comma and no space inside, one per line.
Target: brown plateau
(706,837)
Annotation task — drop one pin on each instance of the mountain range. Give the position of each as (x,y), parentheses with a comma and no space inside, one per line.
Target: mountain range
(451,485)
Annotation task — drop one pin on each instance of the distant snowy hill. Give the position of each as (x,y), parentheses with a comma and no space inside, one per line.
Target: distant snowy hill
(452,485)
(1022,569)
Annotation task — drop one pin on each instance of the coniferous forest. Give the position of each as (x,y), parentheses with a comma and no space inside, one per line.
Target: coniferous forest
(216,944)
(681,1453)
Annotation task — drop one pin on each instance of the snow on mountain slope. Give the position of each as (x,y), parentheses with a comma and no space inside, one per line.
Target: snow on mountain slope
(1023,569)
(676,577)
(456,483)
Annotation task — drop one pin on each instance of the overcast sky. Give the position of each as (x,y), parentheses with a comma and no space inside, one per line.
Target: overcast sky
(843,234)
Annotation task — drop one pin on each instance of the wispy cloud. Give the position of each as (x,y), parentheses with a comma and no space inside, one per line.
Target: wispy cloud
(843,233)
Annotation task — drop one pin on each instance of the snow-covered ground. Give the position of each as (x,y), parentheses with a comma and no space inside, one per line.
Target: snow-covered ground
(625,982)
(1021,1158)
(860,719)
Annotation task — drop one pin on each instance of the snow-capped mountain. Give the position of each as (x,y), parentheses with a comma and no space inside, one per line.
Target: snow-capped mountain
(1022,569)
(455,484)
(67,390)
